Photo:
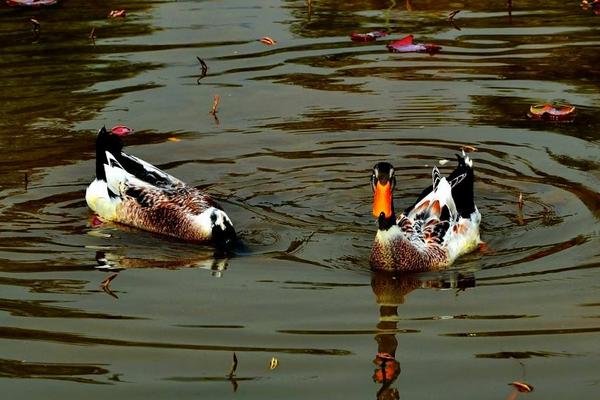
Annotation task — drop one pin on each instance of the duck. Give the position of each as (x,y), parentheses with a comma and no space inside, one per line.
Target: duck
(130,191)
(440,226)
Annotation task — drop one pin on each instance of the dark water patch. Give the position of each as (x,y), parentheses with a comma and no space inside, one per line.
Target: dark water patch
(212,326)
(212,379)
(485,280)
(42,309)
(77,339)
(348,332)
(522,355)
(540,332)
(474,317)
(17,369)
(590,305)
(56,286)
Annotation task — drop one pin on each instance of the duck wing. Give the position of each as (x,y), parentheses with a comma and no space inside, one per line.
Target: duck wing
(152,189)
(147,172)
(430,218)
(461,183)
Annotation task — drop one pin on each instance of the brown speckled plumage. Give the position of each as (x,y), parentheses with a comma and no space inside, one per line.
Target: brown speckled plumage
(132,192)
(168,212)
(398,253)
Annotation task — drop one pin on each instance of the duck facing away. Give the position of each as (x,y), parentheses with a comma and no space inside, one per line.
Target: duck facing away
(440,226)
(133,192)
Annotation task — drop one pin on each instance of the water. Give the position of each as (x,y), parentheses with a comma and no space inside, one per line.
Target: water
(300,124)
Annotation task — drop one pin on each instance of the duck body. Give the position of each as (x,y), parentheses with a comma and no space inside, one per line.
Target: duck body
(430,235)
(132,192)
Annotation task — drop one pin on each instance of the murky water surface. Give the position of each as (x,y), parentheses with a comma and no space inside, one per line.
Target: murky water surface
(300,124)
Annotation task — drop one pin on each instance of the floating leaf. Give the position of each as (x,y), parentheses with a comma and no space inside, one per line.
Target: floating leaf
(522,386)
(268,41)
(443,161)
(406,45)
(173,139)
(468,147)
(121,130)
(117,14)
(274,363)
(552,113)
(367,37)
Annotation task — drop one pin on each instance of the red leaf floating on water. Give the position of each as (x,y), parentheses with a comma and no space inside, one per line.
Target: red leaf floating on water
(121,130)
(406,45)
(117,14)
(367,37)
(550,112)
(406,41)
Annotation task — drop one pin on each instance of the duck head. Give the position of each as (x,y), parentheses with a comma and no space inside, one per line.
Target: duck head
(383,183)
(222,232)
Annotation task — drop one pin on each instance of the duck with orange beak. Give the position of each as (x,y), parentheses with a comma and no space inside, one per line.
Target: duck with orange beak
(430,235)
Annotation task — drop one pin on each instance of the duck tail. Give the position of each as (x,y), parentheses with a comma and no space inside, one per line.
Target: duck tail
(106,142)
(461,181)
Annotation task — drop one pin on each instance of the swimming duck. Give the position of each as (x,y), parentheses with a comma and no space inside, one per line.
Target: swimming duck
(131,191)
(440,226)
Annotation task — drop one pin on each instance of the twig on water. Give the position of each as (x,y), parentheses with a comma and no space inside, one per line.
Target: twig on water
(233,367)
(204,69)
(520,202)
(36,28)
(215,105)
(105,285)
(451,19)
(452,15)
(92,36)
(26,181)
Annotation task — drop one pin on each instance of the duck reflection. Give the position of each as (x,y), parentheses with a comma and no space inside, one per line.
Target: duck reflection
(390,290)
(211,261)
(166,253)
(115,263)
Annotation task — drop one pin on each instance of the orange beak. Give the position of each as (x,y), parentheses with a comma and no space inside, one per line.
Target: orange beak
(382,202)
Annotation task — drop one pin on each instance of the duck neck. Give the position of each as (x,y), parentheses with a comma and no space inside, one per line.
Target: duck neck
(106,142)
(384,223)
